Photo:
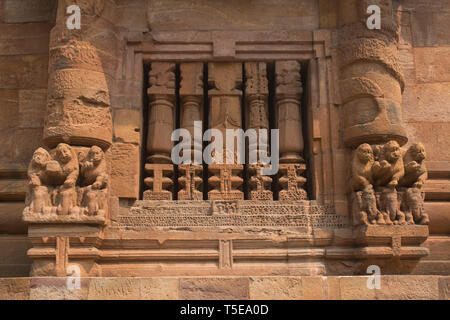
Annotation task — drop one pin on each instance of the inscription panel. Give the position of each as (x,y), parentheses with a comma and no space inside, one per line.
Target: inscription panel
(217,213)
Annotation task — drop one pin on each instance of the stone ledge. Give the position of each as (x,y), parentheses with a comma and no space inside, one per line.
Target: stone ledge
(233,288)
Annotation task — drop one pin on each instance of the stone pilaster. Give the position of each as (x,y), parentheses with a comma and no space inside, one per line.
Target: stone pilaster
(289,121)
(161,123)
(225,80)
(371,81)
(78,101)
(191,93)
(257,118)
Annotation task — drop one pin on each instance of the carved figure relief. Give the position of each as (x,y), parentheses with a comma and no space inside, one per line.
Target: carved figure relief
(63,172)
(361,170)
(63,184)
(94,180)
(38,193)
(386,184)
(389,170)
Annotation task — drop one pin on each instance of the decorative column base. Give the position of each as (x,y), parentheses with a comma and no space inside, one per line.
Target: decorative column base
(63,249)
(159,181)
(394,248)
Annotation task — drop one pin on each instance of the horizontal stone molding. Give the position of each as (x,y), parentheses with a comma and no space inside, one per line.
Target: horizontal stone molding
(393,287)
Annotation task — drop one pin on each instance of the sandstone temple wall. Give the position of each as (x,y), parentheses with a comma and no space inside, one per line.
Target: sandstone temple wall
(90,86)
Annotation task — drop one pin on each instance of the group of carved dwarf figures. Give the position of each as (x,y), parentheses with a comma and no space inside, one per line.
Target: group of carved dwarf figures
(63,182)
(386,184)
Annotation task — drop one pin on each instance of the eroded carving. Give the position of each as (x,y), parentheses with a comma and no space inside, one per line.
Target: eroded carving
(291,182)
(386,185)
(225,81)
(389,169)
(415,170)
(38,181)
(94,180)
(190,182)
(159,181)
(66,186)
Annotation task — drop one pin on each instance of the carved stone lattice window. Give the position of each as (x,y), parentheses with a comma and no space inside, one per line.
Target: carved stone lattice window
(224,95)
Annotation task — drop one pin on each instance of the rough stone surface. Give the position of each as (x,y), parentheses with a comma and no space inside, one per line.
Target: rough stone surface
(214,288)
(253,288)
(234,15)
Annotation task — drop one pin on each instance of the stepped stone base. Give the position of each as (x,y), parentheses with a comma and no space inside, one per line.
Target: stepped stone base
(233,288)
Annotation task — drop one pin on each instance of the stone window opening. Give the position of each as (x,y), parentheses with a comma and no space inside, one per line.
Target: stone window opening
(173,87)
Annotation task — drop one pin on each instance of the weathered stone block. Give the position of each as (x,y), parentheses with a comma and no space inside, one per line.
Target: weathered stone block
(57,289)
(233,15)
(432,64)
(287,288)
(114,289)
(23,71)
(32,106)
(444,288)
(15,289)
(10,115)
(14,11)
(214,288)
(11,218)
(159,288)
(426,133)
(125,159)
(127,125)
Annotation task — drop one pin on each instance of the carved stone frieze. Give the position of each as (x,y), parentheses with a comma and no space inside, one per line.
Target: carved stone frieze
(380,192)
(66,186)
(217,213)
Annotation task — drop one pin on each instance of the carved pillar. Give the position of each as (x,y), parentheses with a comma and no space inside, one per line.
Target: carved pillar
(288,93)
(78,101)
(160,127)
(225,80)
(371,82)
(257,117)
(191,93)
(69,189)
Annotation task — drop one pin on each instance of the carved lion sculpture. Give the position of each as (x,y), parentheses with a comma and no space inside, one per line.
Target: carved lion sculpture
(389,170)
(362,163)
(415,169)
(38,180)
(94,179)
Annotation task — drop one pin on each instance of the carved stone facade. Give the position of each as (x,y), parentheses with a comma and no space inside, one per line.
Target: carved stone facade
(378,197)
(96,185)
(67,186)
